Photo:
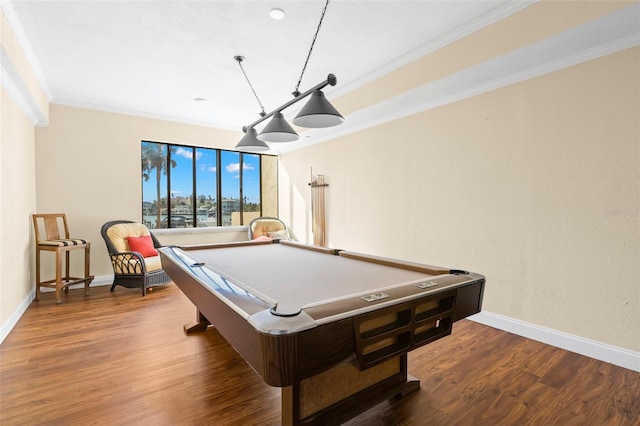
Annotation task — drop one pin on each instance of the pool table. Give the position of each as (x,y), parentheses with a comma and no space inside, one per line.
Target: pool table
(331,327)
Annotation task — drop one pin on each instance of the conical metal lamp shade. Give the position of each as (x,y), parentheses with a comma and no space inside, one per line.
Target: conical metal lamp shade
(251,143)
(278,130)
(318,113)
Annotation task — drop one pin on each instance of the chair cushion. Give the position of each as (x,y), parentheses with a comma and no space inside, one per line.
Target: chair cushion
(70,242)
(153,263)
(118,234)
(143,245)
(263,226)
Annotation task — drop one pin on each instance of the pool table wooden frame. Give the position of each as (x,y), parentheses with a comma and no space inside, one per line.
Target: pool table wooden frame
(346,363)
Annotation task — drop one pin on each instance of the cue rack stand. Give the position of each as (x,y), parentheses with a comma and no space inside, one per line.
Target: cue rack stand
(318,186)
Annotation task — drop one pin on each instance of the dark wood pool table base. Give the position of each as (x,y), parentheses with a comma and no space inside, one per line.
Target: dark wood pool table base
(335,396)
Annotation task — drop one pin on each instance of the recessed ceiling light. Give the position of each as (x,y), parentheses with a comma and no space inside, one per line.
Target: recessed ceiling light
(199,100)
(276,13)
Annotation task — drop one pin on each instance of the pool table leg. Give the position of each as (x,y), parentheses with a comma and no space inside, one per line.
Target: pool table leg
(200,324)
(289,403)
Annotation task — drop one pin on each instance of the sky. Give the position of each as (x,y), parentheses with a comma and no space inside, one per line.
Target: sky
(206,168)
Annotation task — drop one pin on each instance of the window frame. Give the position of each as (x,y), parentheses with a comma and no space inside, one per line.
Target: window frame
(170,150)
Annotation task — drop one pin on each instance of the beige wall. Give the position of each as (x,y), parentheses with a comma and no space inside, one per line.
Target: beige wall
(269,181)
(17,176)
(17,202)
(535,185)
(103,150)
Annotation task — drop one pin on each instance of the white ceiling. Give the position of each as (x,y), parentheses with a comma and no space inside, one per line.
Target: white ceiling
(152,58)
(155,57)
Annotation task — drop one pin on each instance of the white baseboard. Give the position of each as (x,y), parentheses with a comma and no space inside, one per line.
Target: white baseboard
(11,322)
(597,350)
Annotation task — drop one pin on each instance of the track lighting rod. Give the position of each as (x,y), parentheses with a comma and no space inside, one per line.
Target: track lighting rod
(330,81)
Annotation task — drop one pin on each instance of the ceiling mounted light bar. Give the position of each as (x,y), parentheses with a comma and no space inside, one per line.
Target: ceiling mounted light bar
(330,81)
(317,113)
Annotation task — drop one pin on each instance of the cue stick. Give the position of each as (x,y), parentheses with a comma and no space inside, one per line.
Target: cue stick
(321,210)
(313,207)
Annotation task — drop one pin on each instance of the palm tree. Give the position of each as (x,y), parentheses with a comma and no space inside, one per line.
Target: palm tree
(154,157)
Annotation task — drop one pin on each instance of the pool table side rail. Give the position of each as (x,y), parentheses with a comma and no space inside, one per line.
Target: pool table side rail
(230,323)
(411,266)
(232,244)
(359,304)
(285,359)
(241,301)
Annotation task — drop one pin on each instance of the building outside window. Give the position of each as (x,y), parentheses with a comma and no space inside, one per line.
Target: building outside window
(187,186)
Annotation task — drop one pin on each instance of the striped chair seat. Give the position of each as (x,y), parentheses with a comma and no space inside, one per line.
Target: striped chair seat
(63,242)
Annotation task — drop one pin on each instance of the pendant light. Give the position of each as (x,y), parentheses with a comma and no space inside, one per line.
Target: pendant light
(278,130)
(318,113)
(251,143)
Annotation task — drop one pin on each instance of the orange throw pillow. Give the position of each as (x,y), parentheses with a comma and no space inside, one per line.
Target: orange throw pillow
(143,245)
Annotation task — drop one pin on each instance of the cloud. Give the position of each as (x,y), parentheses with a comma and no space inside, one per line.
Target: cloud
(208,168)
(235,167)
(187,153)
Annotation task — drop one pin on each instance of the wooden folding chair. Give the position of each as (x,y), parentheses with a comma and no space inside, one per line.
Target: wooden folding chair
(52,234)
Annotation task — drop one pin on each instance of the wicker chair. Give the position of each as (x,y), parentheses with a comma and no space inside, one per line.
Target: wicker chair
(132,269)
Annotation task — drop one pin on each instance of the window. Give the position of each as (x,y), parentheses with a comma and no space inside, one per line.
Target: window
(186,187)
(206,186)
(230,179)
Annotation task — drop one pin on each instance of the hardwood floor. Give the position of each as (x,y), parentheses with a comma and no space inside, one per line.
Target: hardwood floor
(121,359)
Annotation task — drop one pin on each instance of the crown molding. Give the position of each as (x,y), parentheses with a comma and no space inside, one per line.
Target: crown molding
(618,31)
(135,113)
(23,41)
(12,82)
(471,27)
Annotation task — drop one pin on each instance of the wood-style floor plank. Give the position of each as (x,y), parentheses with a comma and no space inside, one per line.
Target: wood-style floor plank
(122,359)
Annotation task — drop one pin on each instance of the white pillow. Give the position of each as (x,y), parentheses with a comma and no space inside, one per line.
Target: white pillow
(280,235)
